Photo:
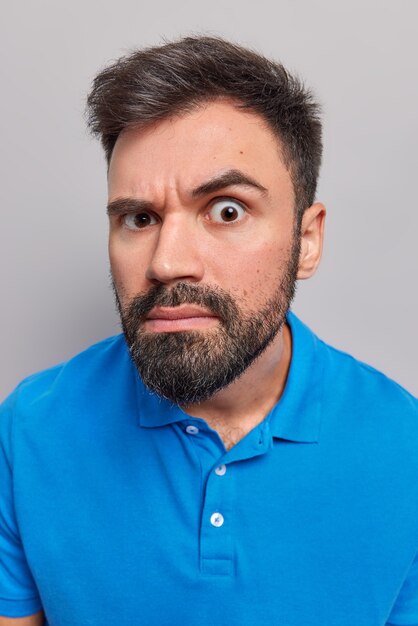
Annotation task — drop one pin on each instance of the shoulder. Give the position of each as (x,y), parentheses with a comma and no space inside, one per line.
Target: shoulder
(365,382)
(68,383)
(356,387)
(365,404)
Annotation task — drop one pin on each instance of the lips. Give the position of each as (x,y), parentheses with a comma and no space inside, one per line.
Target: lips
(180,318)
(178,312)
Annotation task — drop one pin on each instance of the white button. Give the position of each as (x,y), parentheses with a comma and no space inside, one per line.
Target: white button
(192,430)
(220,470)
(216,519)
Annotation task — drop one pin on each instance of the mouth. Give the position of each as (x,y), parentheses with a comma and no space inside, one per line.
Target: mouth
(183,317)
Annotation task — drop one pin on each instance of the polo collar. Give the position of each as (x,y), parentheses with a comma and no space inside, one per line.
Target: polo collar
(296,416)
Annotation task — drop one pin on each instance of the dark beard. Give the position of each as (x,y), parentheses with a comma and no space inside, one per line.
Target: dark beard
(190,366)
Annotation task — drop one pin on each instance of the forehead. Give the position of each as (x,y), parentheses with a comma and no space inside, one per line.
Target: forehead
(185,150)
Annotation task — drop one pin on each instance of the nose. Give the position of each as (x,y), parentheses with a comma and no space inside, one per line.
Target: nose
(176,254)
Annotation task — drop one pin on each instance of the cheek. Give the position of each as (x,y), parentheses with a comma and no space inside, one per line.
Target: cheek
(128,268)
(251,274)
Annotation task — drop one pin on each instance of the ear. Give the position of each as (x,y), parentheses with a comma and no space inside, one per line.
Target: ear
(312,236)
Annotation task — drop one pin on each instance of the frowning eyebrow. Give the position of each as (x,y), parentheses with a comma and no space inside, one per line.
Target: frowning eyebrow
(120,206)
(227,179)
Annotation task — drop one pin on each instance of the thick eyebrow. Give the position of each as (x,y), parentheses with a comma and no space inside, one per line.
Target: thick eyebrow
(231,177)
(120,206)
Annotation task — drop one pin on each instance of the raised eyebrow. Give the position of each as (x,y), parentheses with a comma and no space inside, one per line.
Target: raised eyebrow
(120,206)
(227,179)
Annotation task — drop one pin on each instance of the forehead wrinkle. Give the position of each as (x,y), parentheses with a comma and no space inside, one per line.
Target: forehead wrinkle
(156,195)
(218,181)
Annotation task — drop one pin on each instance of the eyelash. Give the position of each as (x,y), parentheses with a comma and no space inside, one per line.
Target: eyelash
(227,199)
(212,203)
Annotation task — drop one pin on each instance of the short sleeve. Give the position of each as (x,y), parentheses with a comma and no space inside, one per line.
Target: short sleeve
(405,609)
(18,593)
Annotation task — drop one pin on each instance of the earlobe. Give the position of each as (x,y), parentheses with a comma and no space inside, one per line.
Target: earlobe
(312,236)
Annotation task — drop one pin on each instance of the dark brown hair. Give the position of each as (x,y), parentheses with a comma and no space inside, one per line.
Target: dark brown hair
(163,81)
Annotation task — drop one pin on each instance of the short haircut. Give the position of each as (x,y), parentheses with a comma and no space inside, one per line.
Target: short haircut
(164,81)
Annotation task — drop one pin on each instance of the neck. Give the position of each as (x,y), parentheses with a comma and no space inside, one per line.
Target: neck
(238,408)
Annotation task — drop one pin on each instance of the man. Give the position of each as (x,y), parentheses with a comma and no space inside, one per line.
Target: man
(217,463)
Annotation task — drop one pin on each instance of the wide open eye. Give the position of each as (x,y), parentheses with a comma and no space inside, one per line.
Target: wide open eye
(138,221)
(226,211)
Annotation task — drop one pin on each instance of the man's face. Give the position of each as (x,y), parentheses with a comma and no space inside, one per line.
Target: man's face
(202,247)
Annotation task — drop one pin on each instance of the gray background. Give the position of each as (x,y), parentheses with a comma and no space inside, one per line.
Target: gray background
(359,57)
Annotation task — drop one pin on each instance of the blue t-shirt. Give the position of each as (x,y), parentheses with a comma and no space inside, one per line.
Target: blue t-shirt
(119,509)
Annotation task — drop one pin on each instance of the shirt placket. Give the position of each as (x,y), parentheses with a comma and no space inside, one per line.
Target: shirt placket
(219,510)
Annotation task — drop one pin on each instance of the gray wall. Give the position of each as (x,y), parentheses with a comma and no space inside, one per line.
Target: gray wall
(360,58)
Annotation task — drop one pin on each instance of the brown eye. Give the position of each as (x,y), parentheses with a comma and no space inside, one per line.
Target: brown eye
(138,221)
(226,211)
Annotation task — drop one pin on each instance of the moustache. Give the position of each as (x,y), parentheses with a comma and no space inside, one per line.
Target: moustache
(217,301)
